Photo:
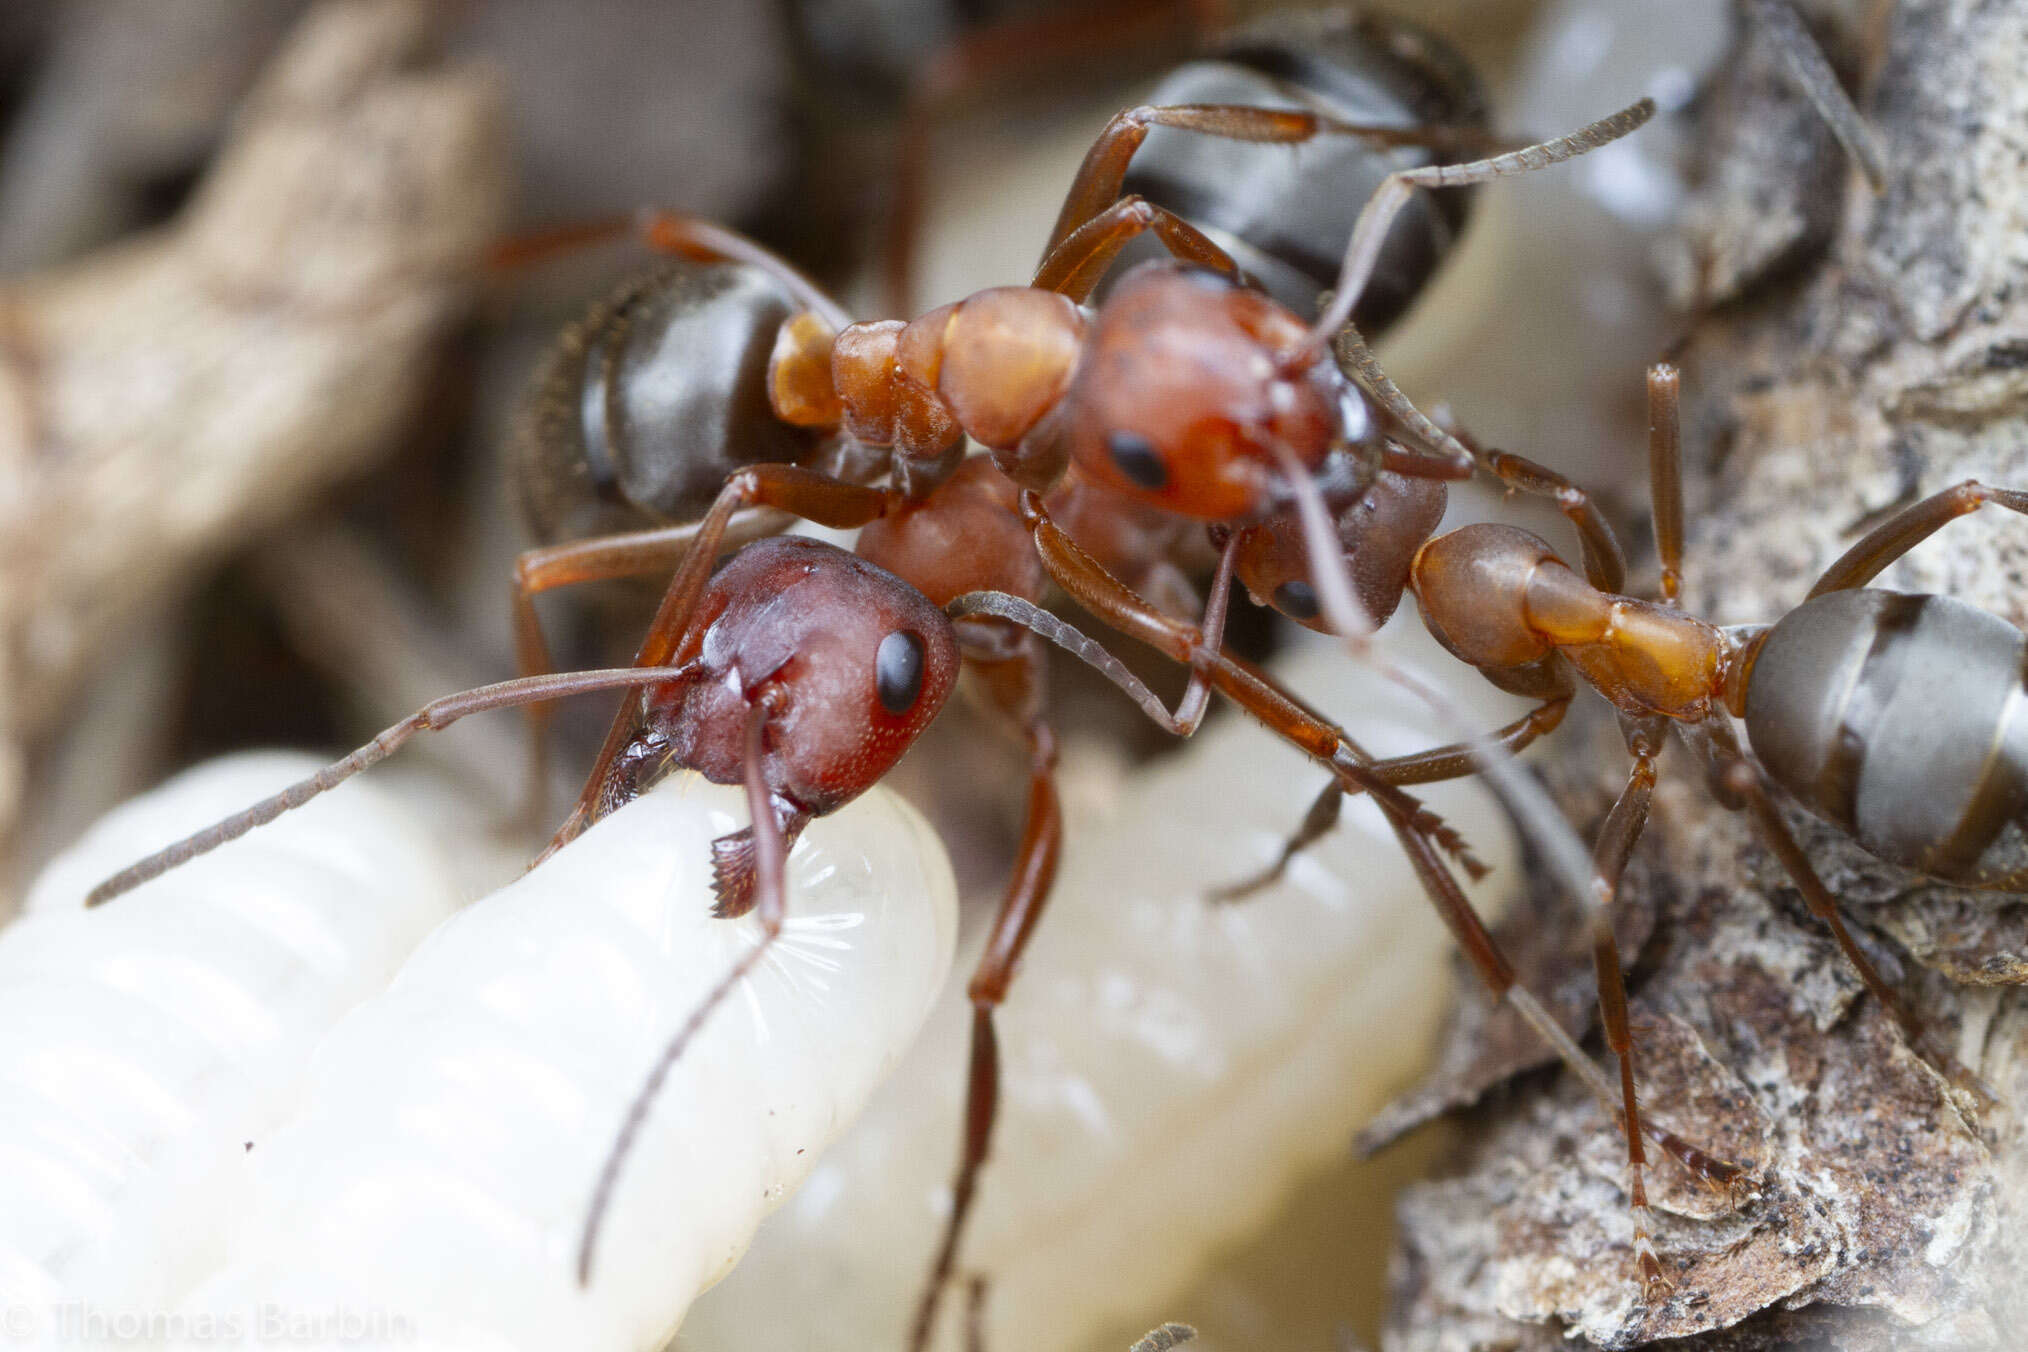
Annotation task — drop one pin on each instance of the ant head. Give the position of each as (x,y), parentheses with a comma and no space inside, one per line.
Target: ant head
(1381,521)
(851,661)
(1187,400)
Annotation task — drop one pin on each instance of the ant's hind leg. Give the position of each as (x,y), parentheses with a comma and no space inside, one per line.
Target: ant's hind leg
(1740,776)
(668,232)
(1909,527)
(1013,925)
(1104,170)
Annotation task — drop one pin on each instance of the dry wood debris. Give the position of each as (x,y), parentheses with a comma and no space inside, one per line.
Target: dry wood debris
(168,398)
(1847,378)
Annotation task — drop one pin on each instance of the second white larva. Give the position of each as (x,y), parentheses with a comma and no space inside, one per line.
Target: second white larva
(433,1184)
(142,1044)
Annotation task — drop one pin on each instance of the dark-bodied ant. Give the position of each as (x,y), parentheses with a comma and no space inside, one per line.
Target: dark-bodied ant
(1840,698)
(1207,399)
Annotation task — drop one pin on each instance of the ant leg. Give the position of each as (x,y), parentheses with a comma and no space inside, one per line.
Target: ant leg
(1457,913)
(1605,564)
(1013,925)
(969,61)
(1615,843)
(1453,761)
(634,554)
(1908,528)
(1448,451)
(1819,83)
(1073,268)
(1327,744)
(432,717)
(1317,823)
(668,232)
(1167,1338)
(975,1313)
(1208,637)
(771,851)
(1665,472)
(789,488)
(1362,251)
(1104,169)
(1740,776)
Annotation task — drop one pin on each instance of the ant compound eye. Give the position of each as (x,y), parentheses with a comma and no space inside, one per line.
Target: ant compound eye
(1135,457)
(897,671)
(1297,600)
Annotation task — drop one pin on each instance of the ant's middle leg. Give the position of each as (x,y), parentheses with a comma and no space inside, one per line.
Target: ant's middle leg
(1017,688)
(1073,268)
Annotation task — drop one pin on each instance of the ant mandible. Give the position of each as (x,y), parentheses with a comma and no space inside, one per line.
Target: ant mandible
(1839,698)
(1207,399)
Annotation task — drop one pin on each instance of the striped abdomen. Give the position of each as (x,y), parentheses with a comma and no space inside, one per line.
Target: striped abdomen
(1901,718)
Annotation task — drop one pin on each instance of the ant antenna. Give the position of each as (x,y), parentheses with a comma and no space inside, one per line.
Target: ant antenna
(432,717)
(1369,232)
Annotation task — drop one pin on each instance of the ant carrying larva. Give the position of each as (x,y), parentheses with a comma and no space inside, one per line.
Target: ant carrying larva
(1015,369)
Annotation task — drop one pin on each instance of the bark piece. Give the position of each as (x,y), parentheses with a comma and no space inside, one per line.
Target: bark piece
(1889,1214)
(165,399)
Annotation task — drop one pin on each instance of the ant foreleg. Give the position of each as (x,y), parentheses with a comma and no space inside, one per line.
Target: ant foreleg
(602,558)
(1074,267)
(432,717)
(1013,925)
(1605,563)
(1908,528)
(789,488)
(1318,822)
(771,852)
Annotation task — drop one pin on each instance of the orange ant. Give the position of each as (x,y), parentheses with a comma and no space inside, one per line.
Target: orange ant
(802,673)
(1840,697)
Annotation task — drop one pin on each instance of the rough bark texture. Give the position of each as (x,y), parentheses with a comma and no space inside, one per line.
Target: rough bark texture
(164,400)
(1842,381)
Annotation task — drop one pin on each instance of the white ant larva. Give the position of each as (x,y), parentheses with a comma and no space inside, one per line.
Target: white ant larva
(142,1046)
(1174,1068)
(436,1177)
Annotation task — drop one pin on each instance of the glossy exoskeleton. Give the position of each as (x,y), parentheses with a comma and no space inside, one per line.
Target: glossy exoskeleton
(1192,396)
(1284,219)
(1899,718)
(647,402)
